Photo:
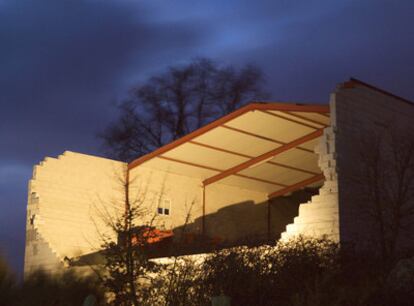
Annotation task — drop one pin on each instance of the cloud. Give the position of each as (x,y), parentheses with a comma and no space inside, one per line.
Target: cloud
(63,61)
(62,64)
(311,52)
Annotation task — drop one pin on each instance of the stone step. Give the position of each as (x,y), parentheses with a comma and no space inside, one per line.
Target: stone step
(317,208)
(324,198)
(323,226)
(332,234)
(316,218)
(291,228)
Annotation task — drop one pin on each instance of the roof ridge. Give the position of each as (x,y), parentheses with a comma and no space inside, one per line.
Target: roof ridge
(352,81)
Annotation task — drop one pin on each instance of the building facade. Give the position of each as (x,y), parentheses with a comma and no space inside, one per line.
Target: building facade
(265,172)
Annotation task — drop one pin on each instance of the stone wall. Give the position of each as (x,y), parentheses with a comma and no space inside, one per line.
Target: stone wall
(69,197)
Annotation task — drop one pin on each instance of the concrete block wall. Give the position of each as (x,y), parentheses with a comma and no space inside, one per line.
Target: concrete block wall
(224,204)
(320,216)
(69,197)
(67,194)
(38,252)
(234,213)
(362,111)
(148,186)
(340,210)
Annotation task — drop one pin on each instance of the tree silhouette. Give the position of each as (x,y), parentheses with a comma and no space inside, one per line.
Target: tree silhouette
(386,182)
(172,104)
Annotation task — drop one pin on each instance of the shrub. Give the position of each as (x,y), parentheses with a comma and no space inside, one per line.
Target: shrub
(64,289)
(7,284)
(267,274)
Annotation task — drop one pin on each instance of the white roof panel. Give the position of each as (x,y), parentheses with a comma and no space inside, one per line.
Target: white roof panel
(238,149)
(270,126)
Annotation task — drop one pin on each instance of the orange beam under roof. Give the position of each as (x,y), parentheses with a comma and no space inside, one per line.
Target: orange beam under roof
(305,118)
(219,170)
(267,155)
(314,108)
(297,186)
(292,120)
(249,156)
(260,136)
(290,112)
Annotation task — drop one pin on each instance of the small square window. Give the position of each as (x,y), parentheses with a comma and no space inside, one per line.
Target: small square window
(164,207)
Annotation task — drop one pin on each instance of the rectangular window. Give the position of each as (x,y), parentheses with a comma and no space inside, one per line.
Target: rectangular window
(164,207)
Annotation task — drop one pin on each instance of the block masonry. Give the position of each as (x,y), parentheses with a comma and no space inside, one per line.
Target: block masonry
(67,198)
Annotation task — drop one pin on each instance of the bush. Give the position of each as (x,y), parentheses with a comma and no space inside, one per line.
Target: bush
(300,272)
(267,274)
(64,289)
(176,283)
(7,284)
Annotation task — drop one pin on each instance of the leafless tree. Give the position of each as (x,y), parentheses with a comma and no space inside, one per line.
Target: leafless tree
(172,104)
(126,269)
(128,272)
(386,180)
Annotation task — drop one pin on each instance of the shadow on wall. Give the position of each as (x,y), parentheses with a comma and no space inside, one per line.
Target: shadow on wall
(244,223)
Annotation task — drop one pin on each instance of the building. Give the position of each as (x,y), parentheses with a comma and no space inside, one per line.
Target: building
(264,172)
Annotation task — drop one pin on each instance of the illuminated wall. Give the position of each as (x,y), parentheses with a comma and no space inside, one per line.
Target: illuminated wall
(70,197)
(319,217)
(67,196)
(149,187)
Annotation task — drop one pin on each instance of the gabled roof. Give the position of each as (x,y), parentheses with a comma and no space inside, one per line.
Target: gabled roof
(353,82)
(267,147)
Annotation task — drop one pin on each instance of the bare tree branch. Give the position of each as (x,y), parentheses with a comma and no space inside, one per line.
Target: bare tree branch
(170,105)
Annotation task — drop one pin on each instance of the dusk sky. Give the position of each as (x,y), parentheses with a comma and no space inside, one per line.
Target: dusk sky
(65,63)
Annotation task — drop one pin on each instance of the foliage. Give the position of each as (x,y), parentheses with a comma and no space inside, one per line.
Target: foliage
(400,282)
(7,283)
(300,272)
(40,289)
(175,283)
(386,179)
(266,274)
(64,289)
(172,104)
(127,273)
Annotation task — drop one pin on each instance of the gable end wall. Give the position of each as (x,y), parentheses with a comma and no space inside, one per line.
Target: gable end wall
(360,111)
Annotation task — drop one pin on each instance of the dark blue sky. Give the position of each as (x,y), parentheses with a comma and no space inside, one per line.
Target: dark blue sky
(64,63)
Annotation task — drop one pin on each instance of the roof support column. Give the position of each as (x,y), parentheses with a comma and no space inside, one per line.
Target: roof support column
(127,203)
(203,221)
(269,219)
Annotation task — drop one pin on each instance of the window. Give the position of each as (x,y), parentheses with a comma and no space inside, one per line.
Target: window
(164,207)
